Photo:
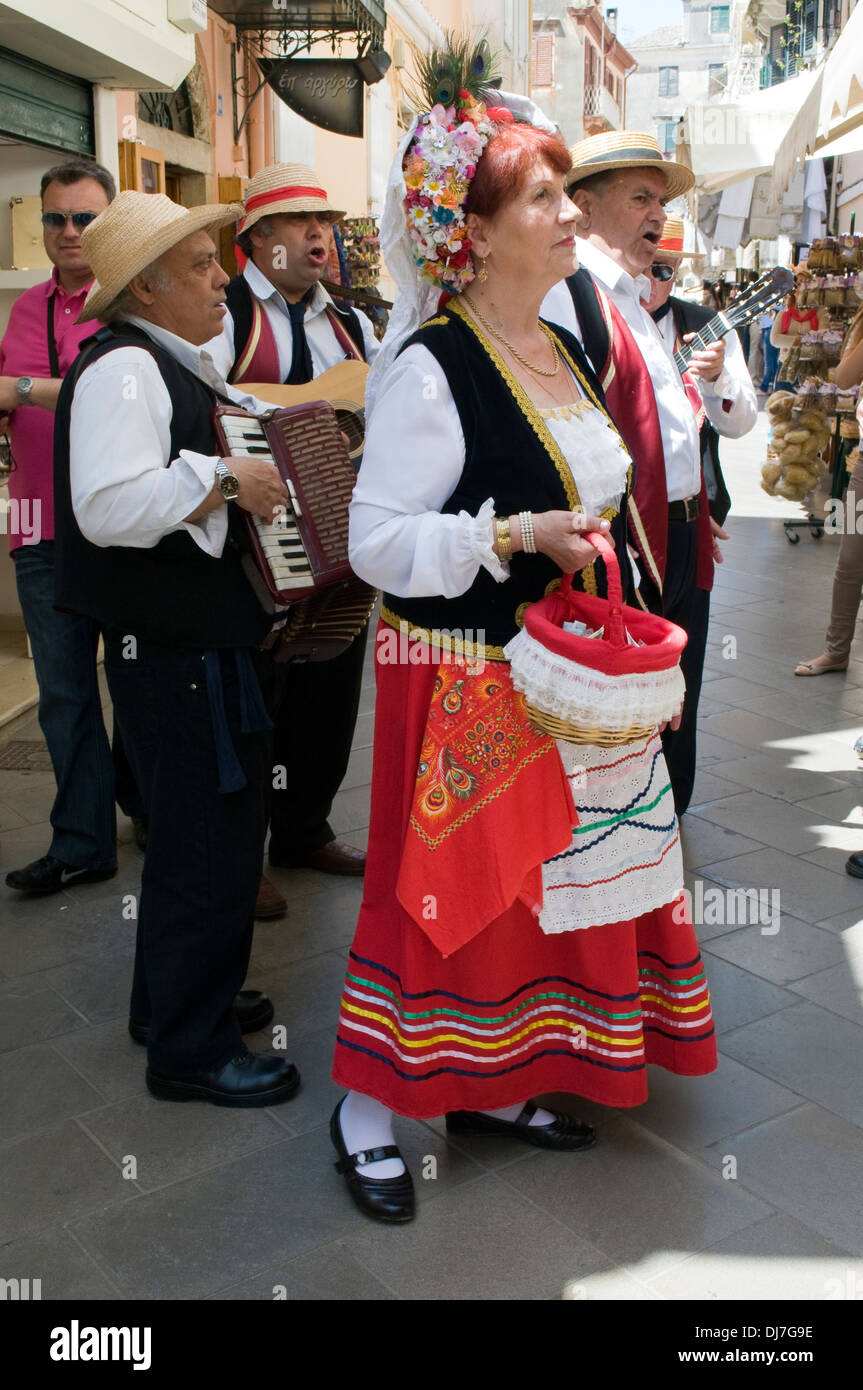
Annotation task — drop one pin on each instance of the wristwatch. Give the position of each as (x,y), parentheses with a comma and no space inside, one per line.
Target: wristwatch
(229,483)
(24,385)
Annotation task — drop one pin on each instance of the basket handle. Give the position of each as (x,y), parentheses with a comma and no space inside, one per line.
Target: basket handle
(615,632)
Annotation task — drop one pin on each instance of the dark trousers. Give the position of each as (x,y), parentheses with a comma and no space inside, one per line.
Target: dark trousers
(771,360)
(204,850)
(70,716)
(314,709)
(689,607)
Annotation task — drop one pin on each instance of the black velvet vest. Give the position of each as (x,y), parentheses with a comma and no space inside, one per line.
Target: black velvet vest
(173,593)
(510,456)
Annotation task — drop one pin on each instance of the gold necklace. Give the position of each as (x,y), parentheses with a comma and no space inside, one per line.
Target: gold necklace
(540,371)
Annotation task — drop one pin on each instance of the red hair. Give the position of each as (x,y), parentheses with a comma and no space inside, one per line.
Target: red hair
(506,162)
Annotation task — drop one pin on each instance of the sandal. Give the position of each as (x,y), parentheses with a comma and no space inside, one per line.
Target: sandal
(808,668)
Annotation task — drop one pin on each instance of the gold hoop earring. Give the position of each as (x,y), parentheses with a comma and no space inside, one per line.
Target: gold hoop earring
(483,273)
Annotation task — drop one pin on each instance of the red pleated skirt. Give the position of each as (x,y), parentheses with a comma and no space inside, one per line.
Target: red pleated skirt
(514,1013)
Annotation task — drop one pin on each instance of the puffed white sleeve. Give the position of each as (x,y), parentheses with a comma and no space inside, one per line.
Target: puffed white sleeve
(730,400)
(414,455)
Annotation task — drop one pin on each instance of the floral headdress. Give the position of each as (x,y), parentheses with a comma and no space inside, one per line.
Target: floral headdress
(443,155)
(418,287)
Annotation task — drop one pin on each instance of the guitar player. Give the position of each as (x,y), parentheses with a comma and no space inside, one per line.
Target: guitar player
(621,183)
(283,327)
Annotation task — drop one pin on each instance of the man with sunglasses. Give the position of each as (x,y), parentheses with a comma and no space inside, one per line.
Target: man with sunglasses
(621,183)
(40,344)
(730,403)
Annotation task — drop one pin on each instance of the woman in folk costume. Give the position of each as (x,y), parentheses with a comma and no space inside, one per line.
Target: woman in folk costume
(500,954)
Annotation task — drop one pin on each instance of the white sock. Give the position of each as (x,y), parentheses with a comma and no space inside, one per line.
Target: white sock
(512,1112)
(366,1124)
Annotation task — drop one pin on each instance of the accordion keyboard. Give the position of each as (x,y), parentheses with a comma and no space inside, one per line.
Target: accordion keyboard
(280,540)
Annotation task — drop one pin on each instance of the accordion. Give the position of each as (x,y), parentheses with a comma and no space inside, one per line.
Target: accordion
(299,559)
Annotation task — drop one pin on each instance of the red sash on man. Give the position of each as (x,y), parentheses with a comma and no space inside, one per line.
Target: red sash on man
(631,400)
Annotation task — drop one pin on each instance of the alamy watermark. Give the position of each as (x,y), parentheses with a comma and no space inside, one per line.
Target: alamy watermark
(410,646)
(713,906)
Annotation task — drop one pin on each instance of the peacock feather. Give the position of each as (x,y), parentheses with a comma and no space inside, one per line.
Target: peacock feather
(463,64)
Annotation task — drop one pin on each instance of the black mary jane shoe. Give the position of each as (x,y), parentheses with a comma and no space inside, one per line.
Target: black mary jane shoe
(563,1132)
(386,1199)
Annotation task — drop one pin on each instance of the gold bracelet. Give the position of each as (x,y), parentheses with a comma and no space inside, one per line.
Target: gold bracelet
(504,538)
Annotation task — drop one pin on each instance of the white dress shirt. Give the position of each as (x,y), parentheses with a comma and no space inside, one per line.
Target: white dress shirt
(676,417)
(414,455)
(126,488)
(324,346)
(733,385)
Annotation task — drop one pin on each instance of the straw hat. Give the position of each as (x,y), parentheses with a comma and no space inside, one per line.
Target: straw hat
(626,149)
(134,231)
(285,188)
(671,241)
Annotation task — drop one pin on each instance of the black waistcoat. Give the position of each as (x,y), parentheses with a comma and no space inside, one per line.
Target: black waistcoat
(173,593)
(239,299)
(505,458)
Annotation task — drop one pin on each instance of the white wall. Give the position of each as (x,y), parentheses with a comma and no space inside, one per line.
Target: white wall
(129,44)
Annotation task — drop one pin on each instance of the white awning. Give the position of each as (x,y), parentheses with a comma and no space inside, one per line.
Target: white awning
(727,142)
(832,108)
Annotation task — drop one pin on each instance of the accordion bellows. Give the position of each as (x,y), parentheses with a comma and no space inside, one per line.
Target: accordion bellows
(597,689)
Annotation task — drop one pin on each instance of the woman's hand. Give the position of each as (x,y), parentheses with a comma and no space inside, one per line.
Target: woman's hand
(560,536)
(673,723)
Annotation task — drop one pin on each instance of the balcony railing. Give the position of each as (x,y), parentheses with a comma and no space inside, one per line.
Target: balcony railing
(598,101)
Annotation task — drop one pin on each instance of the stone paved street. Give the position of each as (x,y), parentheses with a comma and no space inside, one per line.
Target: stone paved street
(743,1184)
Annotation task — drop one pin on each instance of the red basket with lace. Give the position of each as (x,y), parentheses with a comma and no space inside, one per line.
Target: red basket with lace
(613,688)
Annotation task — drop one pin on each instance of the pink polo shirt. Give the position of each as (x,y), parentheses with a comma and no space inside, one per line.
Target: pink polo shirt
(24,352)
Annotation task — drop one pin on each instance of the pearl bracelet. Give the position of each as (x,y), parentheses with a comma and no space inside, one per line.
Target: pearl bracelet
(528,541)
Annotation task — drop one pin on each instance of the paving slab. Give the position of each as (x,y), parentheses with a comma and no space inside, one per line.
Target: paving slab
(56,1260)
(445,1253)
(811,890)
(275,1204)
(807,1164)
(329,1274)
(796,950)
(31,1011)
(636,1196)
(730,1099)
(52,1177)
(777,1260)
(809,1049)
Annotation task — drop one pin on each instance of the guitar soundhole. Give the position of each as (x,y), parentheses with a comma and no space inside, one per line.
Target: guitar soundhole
(351,423)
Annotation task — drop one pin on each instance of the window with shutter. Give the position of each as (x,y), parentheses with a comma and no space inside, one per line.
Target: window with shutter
(542,60)
(669,79)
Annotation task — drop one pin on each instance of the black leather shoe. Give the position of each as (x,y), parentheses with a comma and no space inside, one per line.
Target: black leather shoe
(252,1008)
(140,826)
(386,1199)
(853,865)
(50,875)
(250,1079)
(562,1133)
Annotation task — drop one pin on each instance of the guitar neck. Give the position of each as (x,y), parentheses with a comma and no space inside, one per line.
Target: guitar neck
(710,333)
(743,311)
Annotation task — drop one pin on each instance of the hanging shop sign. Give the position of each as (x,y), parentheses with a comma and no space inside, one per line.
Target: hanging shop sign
(326,91)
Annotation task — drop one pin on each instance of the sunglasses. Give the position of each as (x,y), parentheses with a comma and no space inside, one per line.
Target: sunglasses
(57,220)
(661,272)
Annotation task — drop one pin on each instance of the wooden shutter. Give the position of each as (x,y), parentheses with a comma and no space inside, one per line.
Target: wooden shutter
(542,60)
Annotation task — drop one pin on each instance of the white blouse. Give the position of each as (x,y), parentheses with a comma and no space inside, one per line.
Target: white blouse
(414,455)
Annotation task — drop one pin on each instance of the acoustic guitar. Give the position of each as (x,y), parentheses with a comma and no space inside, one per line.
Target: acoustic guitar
(344,386)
